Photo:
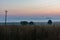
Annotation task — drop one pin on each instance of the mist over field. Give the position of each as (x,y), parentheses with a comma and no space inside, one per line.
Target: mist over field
(29,18)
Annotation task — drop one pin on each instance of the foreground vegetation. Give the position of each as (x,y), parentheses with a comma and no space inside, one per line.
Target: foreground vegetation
(30,32)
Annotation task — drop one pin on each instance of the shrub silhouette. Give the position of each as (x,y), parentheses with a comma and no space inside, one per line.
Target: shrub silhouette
(31,23)
(23,22)
(50,22)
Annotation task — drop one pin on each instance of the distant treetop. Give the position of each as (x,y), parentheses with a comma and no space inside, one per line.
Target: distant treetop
(23,22)
(50,22)
(31,23)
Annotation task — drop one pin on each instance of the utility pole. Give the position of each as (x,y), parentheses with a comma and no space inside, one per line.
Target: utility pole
(5,17)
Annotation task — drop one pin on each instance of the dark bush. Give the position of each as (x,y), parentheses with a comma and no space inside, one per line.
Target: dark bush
(23,22)
(31,23)
(50,22)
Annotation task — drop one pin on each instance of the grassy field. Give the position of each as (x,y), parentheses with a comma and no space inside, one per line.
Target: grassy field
(30,32)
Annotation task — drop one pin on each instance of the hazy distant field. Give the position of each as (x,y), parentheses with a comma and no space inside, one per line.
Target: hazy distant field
(36,23)
(43,31)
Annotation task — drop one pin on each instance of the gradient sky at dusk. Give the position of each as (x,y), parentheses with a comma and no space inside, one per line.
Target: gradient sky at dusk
(30,7)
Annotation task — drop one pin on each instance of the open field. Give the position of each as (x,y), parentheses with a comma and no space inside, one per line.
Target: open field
(30,32)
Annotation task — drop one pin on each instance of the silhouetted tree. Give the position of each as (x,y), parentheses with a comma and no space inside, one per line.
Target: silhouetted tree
(50,22)
(31,23)
(23,22)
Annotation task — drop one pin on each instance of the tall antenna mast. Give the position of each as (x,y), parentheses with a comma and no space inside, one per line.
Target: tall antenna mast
(5,17)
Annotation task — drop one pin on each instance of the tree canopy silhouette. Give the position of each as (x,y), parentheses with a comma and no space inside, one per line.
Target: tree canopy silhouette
(31,23)
(23,22)
(50,22)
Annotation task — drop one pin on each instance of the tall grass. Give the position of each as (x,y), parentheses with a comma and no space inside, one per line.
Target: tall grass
(30,32)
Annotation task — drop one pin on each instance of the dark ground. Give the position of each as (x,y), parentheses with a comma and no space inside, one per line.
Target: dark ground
(30,32)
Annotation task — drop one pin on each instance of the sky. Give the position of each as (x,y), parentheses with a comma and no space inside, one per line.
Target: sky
(30,7)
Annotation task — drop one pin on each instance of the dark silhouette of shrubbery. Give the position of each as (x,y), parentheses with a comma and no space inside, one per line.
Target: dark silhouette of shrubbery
(31,23)
(23,22)
(50,22)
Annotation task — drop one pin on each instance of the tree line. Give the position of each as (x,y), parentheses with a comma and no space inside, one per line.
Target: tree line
(32,23)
